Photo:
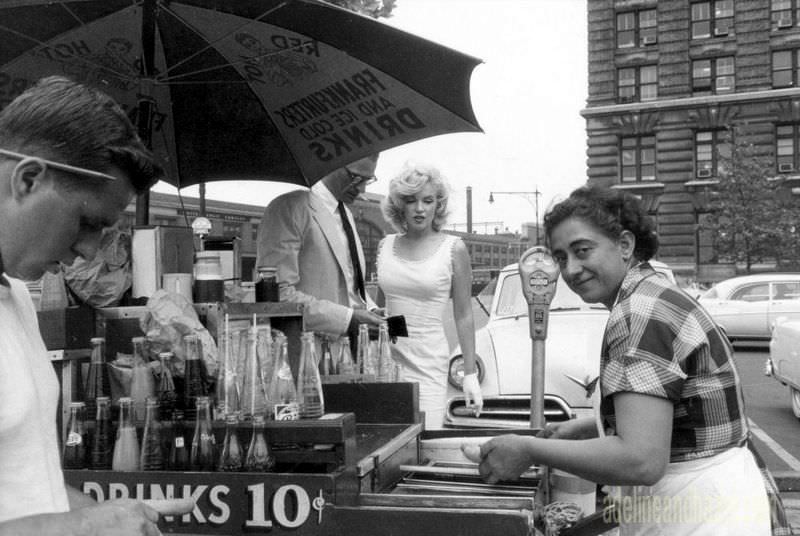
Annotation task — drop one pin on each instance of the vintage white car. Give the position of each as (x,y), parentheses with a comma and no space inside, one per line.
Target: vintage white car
(503,347)
(783,362)
(747,306)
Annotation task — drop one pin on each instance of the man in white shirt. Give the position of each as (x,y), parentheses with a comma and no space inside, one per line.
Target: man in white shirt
(70,162)
(303,234)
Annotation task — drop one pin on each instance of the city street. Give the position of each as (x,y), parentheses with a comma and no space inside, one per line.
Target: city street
(775,429)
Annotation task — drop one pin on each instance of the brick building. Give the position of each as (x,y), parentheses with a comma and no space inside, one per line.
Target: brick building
(666,79)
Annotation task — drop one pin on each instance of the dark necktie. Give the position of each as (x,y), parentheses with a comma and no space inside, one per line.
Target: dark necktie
(358,283)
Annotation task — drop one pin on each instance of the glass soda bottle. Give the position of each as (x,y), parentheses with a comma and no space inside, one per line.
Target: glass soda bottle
(282,389)
(344,362)
(194,375)
(167,396)
(142,382)
(386,370)
(152,453)
(178,458)
(203,455)
(309,384)
(266,354)
(231,458)
(126,447)
(365,360)
(254,391)
(98,379)
(259,458)
(326,362)
(76,442)
(227,388)
(102,439)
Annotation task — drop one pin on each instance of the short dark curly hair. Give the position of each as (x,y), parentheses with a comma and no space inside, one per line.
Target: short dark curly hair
(611,211)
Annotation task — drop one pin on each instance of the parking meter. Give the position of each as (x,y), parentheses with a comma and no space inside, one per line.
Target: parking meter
(539,274)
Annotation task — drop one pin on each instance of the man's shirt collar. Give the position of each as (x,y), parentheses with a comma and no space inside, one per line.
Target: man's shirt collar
(320,190)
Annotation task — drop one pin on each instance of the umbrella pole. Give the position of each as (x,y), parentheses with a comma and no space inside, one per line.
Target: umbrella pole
(145,112)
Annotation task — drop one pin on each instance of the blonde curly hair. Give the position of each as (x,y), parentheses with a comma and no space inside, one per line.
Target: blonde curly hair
(410,181)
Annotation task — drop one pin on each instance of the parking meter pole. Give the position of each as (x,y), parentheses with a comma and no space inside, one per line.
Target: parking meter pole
(539,274)
(537,384)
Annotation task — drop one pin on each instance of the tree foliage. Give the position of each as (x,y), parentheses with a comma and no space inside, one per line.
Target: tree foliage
(745,207)
(787,226)
(371,8)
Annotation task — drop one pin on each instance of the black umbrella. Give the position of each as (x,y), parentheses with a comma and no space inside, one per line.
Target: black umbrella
(283,90)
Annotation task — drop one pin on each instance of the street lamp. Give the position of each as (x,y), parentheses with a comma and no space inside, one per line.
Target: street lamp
(527,195)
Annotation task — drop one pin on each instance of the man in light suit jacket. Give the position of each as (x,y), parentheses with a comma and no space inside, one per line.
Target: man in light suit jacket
(303,235)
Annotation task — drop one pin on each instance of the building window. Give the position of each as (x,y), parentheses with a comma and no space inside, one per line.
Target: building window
(713,76)
(785,13)
(787,138)
(785,65)
(637,28)
(712,19)
(637,83)
(709,146)
(231,229)
(638,159)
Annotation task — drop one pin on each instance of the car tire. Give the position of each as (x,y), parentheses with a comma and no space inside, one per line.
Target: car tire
(795,395)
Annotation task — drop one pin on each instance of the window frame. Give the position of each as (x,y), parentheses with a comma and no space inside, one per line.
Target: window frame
(793,68)
(755,291)
(641,145)
(714,77)
(792,134)
(784,18)
(638,85)
(716,143)
(710,22)
(643,25)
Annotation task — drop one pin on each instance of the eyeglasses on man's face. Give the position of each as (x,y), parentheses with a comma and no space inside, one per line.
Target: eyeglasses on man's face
(356,179)
(59,166)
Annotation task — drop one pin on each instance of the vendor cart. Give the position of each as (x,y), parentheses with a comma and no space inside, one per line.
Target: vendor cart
(367,467)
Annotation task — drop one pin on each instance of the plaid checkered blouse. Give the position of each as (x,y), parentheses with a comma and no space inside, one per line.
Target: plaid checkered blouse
(660,342)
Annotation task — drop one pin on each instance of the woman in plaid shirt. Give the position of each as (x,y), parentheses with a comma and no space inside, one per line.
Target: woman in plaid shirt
(674,432)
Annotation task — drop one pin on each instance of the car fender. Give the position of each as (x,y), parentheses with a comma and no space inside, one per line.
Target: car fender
(784,350)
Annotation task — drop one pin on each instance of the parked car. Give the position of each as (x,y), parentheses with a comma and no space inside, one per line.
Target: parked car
(747,306)
(783,362)
(503,347)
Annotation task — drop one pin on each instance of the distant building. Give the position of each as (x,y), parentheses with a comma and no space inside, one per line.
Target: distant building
(232,221)
(666,78)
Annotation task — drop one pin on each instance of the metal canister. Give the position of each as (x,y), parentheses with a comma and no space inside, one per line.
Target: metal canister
(267,284)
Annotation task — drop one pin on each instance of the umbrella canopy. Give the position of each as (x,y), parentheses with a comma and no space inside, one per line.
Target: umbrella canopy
(284,90)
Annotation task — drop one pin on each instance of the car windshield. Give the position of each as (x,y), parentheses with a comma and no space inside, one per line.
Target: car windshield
(511,301)
(710,294)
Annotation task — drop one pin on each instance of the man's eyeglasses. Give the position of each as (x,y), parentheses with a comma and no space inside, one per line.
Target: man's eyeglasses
(59,166)
(357,179)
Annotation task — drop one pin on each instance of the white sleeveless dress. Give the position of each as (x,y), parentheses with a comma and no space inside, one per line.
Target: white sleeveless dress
(420,290)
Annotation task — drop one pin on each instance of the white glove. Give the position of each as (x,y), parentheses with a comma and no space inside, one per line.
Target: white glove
(472,392)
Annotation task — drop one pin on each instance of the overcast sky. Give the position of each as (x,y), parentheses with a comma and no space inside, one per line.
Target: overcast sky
(527,96)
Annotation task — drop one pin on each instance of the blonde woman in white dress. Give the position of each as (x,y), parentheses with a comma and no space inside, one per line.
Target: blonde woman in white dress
(419,270)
